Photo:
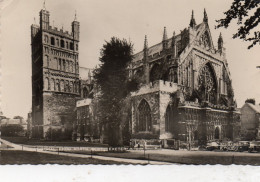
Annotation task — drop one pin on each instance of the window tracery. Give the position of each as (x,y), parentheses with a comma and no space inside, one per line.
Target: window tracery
(207,84)
(144,116)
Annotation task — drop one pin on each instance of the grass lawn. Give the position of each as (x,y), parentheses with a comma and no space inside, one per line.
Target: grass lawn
(190,158)
(23,157)
(26,141)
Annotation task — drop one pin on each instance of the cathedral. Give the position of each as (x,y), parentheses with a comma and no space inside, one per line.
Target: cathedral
(185,95)
(55,77)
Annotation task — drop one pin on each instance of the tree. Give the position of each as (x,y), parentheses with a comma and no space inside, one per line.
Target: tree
(18,117)
(12,130)
(252,101)
(247,13)
(112,79)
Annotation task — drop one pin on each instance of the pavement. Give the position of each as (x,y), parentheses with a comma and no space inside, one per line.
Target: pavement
(42,150)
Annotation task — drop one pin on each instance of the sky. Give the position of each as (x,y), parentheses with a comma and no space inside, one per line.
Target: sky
(99,21)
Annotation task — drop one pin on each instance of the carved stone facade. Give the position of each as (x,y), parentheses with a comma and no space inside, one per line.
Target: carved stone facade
(55,77)
(185,89)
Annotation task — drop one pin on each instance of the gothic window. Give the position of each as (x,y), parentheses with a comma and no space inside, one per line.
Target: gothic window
(71,46)
(169,119)
(207,84)
(67,45)
(52,41)
(155,73)
(77,47)
(57,85)
(144,116)
(62,43)
(217,133)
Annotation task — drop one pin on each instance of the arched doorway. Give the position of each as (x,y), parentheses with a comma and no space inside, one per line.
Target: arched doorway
(144,116)
(217,133)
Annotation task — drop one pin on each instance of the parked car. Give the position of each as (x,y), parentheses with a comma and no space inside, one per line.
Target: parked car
(213,146)
(243,146)
(254,146)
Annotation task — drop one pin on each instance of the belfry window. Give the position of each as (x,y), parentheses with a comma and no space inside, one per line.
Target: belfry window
(52,41)
(144,117)
(62,43)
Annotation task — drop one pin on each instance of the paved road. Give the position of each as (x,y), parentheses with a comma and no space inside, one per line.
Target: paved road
(41,150)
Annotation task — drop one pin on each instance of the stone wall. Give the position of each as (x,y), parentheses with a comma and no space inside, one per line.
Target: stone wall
(58,110)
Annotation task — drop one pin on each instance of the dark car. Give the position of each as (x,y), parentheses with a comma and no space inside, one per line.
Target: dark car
(212,146)
(243,146)
(254,146)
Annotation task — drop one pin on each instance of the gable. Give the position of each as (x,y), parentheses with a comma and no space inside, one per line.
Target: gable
(204,38)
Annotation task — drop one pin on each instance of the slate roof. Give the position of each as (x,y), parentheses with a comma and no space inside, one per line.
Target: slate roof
(256,108)
(158,47)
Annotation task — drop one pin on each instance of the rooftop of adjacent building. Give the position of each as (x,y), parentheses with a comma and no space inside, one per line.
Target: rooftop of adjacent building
(255,107)
(12,121)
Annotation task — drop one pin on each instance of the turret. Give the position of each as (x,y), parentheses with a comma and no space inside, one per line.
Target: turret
(205,18)
(220,42)
(174,44)
(146,63)
(164,41)
(145,48)
(192,20)
(75,28)
(44,19)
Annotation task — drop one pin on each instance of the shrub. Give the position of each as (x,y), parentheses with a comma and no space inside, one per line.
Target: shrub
(12,130)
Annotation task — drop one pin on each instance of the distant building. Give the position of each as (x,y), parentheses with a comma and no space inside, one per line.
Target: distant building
(250,121)
(21,122)
(55,76)
(86,126)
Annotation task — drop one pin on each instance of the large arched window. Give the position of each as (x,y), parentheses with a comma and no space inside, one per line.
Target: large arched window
(144,117)
(155,73)
(207,86)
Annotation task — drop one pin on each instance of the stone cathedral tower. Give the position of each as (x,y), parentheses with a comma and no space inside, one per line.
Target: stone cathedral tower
(55,77)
